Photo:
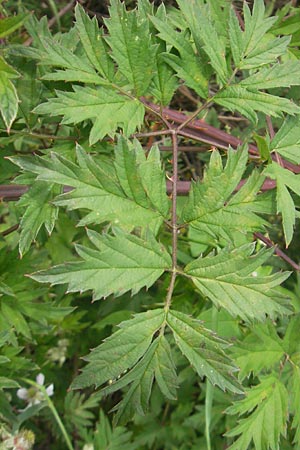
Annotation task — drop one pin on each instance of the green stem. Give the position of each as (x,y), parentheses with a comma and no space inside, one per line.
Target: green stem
(209,396)
(40,135)
(55,13)
(54,412)
(208,411)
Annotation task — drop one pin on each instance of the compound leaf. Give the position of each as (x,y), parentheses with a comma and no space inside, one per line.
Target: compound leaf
(247,101)
(131,45)
(285,205)
(259,351)
(107,110)
(39,212)
(121,351)
(287,140)
(164,82)
(93,43)
(206,35)
(108,438)
(279,75)
(204,350)
(120,263)
(130,193)
(228,280)
(267,408)
(157,363)
(187,65)
(253,47)
(213,211)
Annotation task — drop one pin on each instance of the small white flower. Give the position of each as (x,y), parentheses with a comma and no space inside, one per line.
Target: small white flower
(32,395)
(59,354)
(88,447)
(23,440)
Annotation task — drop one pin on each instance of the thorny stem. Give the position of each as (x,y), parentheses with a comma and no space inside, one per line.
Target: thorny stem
(174,225)
(195,114)
(153,133)
(157,113)
(277,251)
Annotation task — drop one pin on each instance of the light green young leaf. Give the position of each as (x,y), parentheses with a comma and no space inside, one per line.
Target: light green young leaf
(259,351)
(119,264)
(164,82)
(206,36)
(13,317)
(263,146)
(108,438)
(131,45)
(204,350)
(188,66)
(213,210)
(10,24)
(79,409)
(103,106)
(291,342)
(130,193)
(8,95)
(247,102)
(280,75)
(39,212)
(227,279)
(287,140)
(285,204)
(121,351)
(267,408)
(93,43)
(225,326)
(153,179)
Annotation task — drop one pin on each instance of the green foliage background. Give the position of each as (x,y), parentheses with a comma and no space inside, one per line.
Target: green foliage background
(178,310)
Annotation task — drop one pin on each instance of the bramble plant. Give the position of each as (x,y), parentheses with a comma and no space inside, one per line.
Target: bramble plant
(174,218)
